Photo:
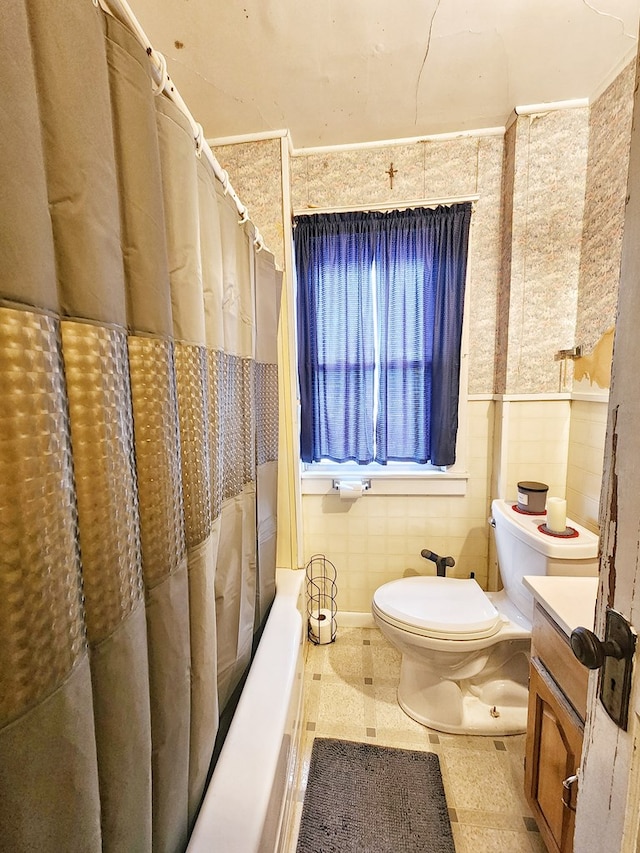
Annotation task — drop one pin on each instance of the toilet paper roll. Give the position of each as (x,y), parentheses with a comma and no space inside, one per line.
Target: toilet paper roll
(321,627)
(350,491)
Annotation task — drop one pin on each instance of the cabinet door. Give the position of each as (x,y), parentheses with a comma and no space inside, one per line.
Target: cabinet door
(554,744)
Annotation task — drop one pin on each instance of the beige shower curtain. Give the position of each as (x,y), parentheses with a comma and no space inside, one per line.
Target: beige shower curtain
(135,430)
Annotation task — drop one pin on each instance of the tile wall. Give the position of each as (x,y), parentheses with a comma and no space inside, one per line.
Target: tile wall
(585,461)
(537,442)
(379,538)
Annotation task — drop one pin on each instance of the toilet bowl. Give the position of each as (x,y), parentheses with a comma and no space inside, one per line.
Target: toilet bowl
(465,652)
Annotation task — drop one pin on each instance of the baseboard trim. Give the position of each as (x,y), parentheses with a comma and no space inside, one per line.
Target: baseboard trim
(354,619)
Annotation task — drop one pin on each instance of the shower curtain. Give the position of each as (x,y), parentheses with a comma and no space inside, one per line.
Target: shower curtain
(138,442)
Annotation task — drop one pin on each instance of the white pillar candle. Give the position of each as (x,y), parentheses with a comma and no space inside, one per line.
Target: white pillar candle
(556,515)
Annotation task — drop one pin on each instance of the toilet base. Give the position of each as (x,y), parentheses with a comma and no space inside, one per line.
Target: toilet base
(477,719)
(488,703)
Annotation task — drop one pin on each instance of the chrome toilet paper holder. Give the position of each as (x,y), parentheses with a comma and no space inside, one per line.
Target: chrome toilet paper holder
(366,484)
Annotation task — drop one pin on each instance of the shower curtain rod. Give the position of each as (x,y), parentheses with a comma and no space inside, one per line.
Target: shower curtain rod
(121,11)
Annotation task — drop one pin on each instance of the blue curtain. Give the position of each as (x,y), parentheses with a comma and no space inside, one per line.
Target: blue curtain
(381,290)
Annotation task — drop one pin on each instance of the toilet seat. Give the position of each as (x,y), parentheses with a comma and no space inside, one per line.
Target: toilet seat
(443,608)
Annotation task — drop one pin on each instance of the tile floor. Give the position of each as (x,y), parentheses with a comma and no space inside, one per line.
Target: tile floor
(350,692)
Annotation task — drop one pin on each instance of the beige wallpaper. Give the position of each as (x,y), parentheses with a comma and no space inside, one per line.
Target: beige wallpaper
(548,205)
(546,229)
(607,164)
(255,169)
(504,282)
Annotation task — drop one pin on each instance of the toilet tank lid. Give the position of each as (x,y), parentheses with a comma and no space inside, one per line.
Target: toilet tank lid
(525,527)
(448,606)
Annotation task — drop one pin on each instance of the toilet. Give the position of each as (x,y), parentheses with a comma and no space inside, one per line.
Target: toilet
(465,652)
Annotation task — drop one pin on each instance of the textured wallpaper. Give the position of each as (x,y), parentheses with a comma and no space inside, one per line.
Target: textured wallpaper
(504,282)
(607,166)
(255,169)
(424,170)
(548,207)
(546,230)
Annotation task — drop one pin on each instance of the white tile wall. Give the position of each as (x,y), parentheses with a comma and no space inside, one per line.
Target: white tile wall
(378,538)
(585,461)
(537,444)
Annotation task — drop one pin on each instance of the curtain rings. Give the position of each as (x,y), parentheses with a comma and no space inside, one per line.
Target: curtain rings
(244,216)
(158,87)
(199,139)
(258,242)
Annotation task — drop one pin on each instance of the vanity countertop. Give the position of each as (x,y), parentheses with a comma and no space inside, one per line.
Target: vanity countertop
(569,601)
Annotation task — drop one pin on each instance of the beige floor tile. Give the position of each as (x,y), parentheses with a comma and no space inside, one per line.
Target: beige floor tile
(354,696)
(476,839)
(386,663)
(491,820)
(347,636)
(515,744)
(477,781)
(344,661)
(459,840)
(513,769)
(340,703)
(375,637)
(400,740)
(536,842)
(462,742)
(343,731)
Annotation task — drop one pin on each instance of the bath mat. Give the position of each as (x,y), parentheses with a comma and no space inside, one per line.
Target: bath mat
(363,798)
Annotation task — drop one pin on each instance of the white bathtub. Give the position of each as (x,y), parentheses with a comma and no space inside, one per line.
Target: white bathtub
(247,805)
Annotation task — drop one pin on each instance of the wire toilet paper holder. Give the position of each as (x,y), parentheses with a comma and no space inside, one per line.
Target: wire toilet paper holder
(321,576)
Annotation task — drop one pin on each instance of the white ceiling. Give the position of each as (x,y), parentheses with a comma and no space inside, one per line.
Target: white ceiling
(348,71)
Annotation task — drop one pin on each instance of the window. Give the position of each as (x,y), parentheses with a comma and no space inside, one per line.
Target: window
(380,303)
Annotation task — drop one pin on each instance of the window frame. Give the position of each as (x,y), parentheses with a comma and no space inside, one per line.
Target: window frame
(408,478)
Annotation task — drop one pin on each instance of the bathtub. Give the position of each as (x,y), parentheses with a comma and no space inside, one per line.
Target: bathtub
(248,804)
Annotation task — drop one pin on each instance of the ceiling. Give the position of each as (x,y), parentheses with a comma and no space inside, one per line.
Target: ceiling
(352,71)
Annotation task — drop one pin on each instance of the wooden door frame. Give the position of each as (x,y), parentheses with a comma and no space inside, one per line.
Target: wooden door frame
(609,800)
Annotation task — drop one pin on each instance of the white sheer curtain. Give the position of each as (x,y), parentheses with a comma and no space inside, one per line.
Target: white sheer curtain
(133,425)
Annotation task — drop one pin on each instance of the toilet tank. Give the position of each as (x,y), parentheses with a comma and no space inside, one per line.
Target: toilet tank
(525,550)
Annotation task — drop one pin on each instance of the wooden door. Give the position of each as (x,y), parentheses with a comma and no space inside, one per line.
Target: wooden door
(608,810)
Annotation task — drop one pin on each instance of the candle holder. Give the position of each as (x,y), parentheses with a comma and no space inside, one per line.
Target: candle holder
(567,533)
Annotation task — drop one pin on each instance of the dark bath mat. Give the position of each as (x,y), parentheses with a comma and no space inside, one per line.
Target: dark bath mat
(363,798)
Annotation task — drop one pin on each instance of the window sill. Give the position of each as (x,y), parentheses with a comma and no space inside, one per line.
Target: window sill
(408,482)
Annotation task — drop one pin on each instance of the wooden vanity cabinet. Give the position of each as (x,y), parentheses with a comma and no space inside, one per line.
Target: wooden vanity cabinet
(555,729)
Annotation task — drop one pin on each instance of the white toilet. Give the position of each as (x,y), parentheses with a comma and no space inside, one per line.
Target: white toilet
(465,653)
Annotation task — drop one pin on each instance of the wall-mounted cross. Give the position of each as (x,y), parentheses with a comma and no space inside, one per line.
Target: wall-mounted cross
(392,173)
